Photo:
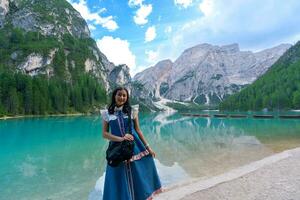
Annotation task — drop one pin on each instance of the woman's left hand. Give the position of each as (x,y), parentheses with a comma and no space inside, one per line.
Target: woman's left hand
(151,152)
(128,137)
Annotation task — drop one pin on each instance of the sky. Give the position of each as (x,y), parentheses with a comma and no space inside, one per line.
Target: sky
(141,33)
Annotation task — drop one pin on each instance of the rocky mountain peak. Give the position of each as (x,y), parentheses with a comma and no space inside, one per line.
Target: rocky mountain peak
(206,74)
(196,52)
(154,71)
(280,49)
(164,63)
(202,50)
(231,48)
(55,17)
(155,78)
(120,75)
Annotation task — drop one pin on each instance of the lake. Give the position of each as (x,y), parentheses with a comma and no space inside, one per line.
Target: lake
(63,157)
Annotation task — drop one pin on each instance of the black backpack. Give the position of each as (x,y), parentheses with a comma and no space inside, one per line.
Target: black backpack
(118,152)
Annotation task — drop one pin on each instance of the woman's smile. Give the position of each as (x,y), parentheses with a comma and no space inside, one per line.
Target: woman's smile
(121,97)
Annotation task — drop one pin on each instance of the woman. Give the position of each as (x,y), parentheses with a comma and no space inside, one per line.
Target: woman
(136,179)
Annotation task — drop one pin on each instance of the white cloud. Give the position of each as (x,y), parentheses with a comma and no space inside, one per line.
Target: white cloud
(252,24)
(206,7)
(91,27)
(117,51)
(150,34)
(183,3)
(247,17)
(108,23)
(142,13)
(94,17)
(133,3)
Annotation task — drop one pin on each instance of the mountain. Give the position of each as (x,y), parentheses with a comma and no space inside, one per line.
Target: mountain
(153,78)
(36,34)
(49,63)
(120,75)
(278,88)
(207,74)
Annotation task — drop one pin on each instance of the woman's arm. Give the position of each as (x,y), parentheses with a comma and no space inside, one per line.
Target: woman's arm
(112,137)
(141,135)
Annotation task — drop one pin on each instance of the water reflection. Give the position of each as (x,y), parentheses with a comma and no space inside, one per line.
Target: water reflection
(208,146)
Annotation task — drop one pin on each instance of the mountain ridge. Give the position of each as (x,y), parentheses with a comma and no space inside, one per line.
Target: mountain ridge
(206,74)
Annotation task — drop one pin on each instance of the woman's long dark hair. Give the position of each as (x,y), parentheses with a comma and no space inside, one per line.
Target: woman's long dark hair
(126,107)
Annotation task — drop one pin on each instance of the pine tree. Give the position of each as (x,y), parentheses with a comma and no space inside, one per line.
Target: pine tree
(296,99)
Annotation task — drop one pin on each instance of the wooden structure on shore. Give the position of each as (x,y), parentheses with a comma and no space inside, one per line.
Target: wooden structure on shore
(238,116)
(263,116)
(241,116)
(220,115)
(289,116)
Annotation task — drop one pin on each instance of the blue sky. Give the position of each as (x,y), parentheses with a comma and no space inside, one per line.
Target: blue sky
(140,33)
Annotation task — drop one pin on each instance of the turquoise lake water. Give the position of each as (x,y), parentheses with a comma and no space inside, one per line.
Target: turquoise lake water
(63,157)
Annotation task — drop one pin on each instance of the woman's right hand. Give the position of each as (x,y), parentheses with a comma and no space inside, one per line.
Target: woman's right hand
(128,137)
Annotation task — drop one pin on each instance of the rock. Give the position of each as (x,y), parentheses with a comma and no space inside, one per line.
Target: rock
(4,8)
(14,55)
(155,78)
(53,20)
(120,75)
(32,63)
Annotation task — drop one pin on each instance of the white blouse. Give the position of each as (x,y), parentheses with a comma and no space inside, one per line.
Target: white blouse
(107,117)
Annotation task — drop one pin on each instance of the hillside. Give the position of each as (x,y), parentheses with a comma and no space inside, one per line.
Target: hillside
(277,89)
(49,63)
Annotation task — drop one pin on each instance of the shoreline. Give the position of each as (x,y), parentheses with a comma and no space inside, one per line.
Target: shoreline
(271,176)
(78,114)
(36,116)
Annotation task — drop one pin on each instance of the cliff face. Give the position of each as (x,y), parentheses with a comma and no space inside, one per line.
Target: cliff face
(120,75)
(55,17)
(49,37)
(4,8)
(206,74)
(154,78)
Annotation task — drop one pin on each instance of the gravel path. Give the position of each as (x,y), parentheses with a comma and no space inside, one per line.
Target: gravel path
(273,178)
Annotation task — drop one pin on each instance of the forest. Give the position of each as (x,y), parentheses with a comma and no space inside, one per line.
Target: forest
(277,89)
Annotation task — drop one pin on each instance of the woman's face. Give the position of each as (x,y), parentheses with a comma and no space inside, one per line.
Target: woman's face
(121,97)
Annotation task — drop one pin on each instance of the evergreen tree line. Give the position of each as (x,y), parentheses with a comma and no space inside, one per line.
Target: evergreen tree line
(22,94)
(277,89)
(69,90)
